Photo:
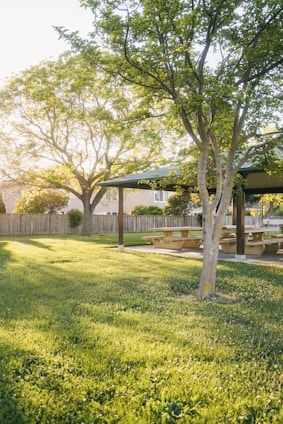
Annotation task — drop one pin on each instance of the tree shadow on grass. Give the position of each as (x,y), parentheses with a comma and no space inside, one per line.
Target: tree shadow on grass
(247,309)
(35,243)
(261,271)
(9,407)
(5,255)
(51,302)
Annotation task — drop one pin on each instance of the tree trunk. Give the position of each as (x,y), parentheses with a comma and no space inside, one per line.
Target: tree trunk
(212,227)
(87,218)
(270,210)
(209,266)
(214,210)
(89,206)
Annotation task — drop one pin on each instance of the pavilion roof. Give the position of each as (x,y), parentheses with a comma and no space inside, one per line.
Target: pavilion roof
(257,181)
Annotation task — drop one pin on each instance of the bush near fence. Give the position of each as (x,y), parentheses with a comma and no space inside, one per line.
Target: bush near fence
(56,224)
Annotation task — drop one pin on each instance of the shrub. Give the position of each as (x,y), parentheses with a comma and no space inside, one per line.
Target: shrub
(2,205)
(75,217)
(146,210)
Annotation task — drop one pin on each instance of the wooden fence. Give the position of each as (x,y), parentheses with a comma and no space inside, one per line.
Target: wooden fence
(34,224)
(41,224)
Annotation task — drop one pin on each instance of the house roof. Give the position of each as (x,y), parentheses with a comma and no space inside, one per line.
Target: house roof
(257,181)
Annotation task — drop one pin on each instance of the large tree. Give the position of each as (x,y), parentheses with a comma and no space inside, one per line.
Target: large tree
(220,62)
(65,126)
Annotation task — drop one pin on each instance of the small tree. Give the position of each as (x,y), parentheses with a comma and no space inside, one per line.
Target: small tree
(42,201)
(2,205)
(179,204)
(271,204)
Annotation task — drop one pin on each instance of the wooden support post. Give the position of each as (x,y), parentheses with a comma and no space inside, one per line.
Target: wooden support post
(240,223)
(234,211)
(121,219)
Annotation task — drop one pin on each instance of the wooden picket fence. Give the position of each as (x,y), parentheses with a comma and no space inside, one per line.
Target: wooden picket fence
(34,224)
(43,224)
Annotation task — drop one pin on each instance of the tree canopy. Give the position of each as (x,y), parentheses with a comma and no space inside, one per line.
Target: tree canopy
(220,64)
(68,127)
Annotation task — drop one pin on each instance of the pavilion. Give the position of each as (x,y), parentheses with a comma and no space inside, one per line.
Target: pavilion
(257,181)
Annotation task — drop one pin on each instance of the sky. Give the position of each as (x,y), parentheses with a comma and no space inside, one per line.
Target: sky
(27,36)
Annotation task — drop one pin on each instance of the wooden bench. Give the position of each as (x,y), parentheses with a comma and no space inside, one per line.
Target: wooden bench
(228,240)
(269,246)
(228,244)
(258,247)
(152,237)
(190,241)
(159,242)
(187,238)
(175,242)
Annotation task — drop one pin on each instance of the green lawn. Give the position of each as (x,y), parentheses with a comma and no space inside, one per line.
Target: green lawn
(92,334)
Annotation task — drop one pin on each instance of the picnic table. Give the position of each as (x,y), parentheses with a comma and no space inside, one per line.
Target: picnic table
(169,240)
(255,243)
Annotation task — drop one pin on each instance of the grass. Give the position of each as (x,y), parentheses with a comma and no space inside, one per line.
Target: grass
(91,334)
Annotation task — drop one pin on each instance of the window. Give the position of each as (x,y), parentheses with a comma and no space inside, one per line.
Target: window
(161,196)
(110,195)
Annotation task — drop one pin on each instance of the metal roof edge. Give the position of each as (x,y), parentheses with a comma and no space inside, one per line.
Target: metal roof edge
(153,174)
